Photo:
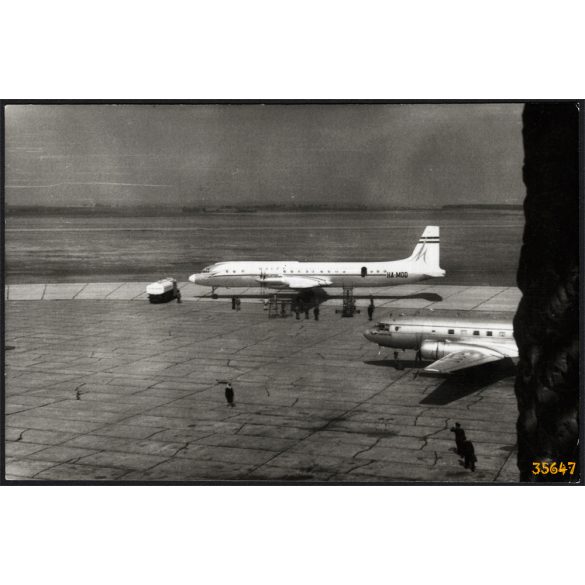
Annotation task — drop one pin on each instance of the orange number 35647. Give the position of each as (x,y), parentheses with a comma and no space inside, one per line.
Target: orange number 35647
(553,468)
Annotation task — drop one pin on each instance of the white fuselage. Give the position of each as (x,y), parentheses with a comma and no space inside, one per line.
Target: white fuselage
(284,274)
(423,263)
(412,332)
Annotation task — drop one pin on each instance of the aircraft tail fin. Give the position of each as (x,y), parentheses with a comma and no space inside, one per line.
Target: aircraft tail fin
(427,251)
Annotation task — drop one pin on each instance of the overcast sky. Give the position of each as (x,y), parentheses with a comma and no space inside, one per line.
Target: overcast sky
(204,155)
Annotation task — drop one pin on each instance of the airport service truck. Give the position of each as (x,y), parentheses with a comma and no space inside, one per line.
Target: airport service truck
(163,291)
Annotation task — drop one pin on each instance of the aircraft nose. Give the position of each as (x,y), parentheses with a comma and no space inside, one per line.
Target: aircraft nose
(370,334)
(193,278)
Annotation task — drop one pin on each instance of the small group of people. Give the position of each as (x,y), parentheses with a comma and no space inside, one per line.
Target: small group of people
(464,447)
(236,302)
(301,307)
(298,307)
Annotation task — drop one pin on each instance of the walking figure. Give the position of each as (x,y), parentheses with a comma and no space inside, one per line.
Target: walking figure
(229,394)
(176,291)
(306,312)
(469,455)
(238,303)
(233,303)
(370,311)
(316,312)
(459,438)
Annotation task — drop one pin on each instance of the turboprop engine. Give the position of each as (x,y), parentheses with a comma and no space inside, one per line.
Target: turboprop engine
(434,350)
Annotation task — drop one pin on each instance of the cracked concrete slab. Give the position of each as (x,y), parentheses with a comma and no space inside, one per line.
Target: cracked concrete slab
(121,390)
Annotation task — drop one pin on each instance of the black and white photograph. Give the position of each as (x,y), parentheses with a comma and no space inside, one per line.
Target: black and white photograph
(291,292)
(301,292)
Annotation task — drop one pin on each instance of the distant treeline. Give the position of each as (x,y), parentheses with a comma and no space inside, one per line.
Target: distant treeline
(170,210)
(504,206)
(153,210)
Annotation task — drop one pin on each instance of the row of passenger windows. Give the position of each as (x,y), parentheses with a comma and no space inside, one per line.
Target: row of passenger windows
(305,272)
(475,332)
(387,327)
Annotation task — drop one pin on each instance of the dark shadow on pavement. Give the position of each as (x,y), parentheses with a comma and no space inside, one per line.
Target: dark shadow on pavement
(461,384)
(456,385)
(400,365)
(323,296)
(431,297)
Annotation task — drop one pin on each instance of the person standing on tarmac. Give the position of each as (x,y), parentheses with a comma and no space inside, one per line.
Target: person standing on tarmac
(469,455)
(238,303)
(459,437)
(371,308)
(233,303)
(176,291)
(316,312)
(229,394)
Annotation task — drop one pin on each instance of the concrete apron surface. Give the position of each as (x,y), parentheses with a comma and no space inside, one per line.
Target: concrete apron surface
(132,391)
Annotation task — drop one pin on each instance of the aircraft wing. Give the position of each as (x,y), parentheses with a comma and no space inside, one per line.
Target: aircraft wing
(460,360)
(294,282)
(301,282)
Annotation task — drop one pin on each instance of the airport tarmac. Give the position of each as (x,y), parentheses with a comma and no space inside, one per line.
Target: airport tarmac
(103,386)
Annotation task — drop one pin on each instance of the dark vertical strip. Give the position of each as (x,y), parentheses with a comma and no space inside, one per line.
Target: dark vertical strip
(2,302)
(546,325)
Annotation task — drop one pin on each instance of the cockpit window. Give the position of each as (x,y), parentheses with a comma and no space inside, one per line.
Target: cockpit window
(383,327)
(206,269)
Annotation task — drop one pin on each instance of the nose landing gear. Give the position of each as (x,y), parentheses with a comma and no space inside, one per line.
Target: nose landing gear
(398,363)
